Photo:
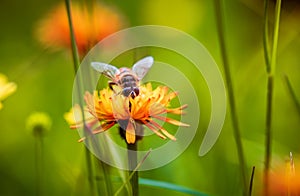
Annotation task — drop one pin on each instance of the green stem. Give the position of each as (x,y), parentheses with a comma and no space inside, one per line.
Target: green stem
(87,132)
(133,172)
(107,179)
(88,158)
(76,63)
(132,164)
(234,117)
(266,36)
(104,167)
(39,164)
(268,148)
(271,65)
(75,54)
(275,37)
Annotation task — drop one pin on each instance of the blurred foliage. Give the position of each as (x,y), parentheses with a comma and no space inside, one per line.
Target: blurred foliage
(45,82)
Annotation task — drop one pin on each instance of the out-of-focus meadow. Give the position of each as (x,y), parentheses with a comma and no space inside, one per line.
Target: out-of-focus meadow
(44,77)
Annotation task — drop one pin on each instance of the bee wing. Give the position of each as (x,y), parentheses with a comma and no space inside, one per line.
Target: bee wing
(141,67)
(106,69)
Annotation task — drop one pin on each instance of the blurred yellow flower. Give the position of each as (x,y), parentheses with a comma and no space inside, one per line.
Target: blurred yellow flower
(110,108)
(6,88)
(74,117)
(38,123)
(91,24)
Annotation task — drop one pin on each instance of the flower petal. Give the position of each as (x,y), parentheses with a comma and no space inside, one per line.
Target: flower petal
(177,110)
(171,121)
(130,132)
(100,129)
(162,130)
(157,108)
(103,127)
(154,130)
(120,106)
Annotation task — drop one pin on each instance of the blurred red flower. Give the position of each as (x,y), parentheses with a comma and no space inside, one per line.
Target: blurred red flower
(91,24)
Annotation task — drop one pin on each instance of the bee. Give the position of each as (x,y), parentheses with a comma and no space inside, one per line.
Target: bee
(127,79)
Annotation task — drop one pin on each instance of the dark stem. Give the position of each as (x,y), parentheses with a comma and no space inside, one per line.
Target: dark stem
(132,164)
(233,112)
(268,153)
(251,181)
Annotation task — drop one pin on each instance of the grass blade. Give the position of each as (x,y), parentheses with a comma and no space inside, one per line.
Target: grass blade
(292,93)
(76,64)
(170,186)
(251,181)
(266,36)
(270,88)
(275,37)
(233,113)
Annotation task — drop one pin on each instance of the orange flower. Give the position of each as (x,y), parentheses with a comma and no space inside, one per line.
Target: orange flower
(110,108)
(285,180)
(90,26)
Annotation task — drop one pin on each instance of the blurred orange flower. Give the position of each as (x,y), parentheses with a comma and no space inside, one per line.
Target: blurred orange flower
(91,24)
(110,108)
(285,180)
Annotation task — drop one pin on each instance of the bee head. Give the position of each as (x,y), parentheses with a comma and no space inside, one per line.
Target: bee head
(133,92)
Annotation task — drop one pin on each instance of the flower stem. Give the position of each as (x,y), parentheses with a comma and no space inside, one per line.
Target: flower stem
(88,159)
(275,36)
(132,163)
(75,54)
(87,131)
(133,172)
(102,165)
(234,117)
(107,180)
(39,164)
(270,64)
(251,181)
(76,63)
(268,147)
(266,36)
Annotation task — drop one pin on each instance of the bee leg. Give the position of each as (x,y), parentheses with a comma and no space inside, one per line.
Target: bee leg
(111,84)
(136,91)
(133,94)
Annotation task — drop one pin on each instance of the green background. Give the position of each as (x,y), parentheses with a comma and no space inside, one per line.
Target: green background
(45,82)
